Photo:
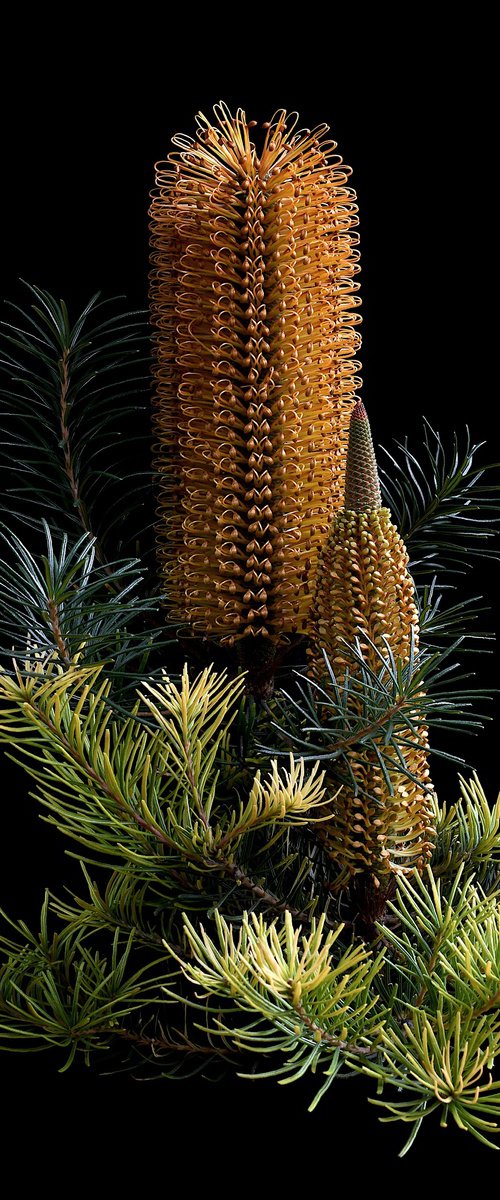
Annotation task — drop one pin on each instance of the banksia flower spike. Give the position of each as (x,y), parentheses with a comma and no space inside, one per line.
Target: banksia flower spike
(364,591)
(253,298)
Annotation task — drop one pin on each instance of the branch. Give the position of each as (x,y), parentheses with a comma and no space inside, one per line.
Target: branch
(163,1044)
(80,506)
(322,1035)
(438,498)
(53,612)
(268,898)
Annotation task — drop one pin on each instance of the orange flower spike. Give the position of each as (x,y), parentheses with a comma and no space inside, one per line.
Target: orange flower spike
(253,298)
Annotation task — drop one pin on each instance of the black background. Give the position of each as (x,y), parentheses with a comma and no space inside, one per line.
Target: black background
(82,126)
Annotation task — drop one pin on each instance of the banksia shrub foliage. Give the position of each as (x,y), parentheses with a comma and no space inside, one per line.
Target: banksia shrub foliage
(382,820)
(266,881)
(253,300)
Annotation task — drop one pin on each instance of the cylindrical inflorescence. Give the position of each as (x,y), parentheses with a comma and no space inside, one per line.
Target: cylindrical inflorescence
(362,588)
(253,298)
(364,593)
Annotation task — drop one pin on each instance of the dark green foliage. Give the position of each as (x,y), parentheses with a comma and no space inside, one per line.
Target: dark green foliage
(71,403)
(444,509)
(441,623)
(395,700)
(206,886)
(63,602)
(272,969)
(447,513)
(56,990)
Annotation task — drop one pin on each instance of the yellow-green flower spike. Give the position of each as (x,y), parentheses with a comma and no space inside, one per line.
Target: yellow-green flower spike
(364,591)
(363,587)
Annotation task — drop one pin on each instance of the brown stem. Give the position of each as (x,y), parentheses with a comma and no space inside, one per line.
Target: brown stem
(157,1044)
(430,967)
(69,468)
(389,713)
(330,1038)
(57,631)
(258,657)
(268,897)
(193,785)
(369,902)
(493,1002)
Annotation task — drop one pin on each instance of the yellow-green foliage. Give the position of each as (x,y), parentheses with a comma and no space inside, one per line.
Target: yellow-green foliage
(290,977)
(141,791)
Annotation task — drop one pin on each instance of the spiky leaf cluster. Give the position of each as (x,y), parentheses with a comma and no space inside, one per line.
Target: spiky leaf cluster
(424,1020)
(468,835)
(71,398)
(448,958)
(147,797)
(290,980)
(62,602)
(145,788)
(443,501)
(56,990)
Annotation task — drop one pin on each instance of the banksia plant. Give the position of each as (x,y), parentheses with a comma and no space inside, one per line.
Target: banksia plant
(253,301)
(382,819)
(266,882)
